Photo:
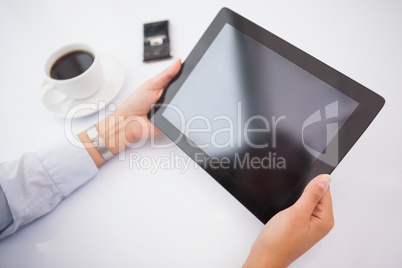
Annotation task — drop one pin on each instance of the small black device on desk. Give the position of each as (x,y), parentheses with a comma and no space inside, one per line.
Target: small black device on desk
(156,41)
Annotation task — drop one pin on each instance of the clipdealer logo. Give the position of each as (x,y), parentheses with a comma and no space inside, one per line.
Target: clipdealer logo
(331,154)
(270,161)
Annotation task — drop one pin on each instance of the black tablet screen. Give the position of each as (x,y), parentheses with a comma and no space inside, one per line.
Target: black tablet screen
(258,115)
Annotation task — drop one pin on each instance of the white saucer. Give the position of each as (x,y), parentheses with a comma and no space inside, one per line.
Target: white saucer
(113,72)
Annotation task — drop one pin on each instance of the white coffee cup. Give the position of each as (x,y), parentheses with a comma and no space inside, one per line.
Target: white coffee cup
(81,86)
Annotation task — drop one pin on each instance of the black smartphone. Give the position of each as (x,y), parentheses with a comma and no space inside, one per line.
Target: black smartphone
(156,40)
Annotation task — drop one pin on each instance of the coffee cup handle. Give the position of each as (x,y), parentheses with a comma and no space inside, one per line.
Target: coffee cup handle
(51,96)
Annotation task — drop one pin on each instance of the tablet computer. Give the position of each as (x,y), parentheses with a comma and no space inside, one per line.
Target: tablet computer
(261,116)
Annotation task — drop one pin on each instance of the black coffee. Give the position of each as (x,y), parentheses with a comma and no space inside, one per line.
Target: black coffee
(71,65)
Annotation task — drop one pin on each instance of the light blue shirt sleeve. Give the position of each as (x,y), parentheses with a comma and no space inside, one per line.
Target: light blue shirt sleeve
(35,183)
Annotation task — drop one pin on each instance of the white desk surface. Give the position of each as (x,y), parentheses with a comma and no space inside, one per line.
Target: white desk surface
(127,217)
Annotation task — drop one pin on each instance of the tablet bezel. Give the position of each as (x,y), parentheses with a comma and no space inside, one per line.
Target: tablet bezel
(369,106)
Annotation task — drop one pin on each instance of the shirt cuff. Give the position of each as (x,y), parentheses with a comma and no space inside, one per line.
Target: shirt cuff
(68,165)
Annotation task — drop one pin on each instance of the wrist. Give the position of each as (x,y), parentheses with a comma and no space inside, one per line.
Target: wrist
(91,149)
(252,262)
(112,131)
(109,130)
(117,131)
(263,257)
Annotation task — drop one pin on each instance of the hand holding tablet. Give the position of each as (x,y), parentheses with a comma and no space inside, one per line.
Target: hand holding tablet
(261,116)
(293,231)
